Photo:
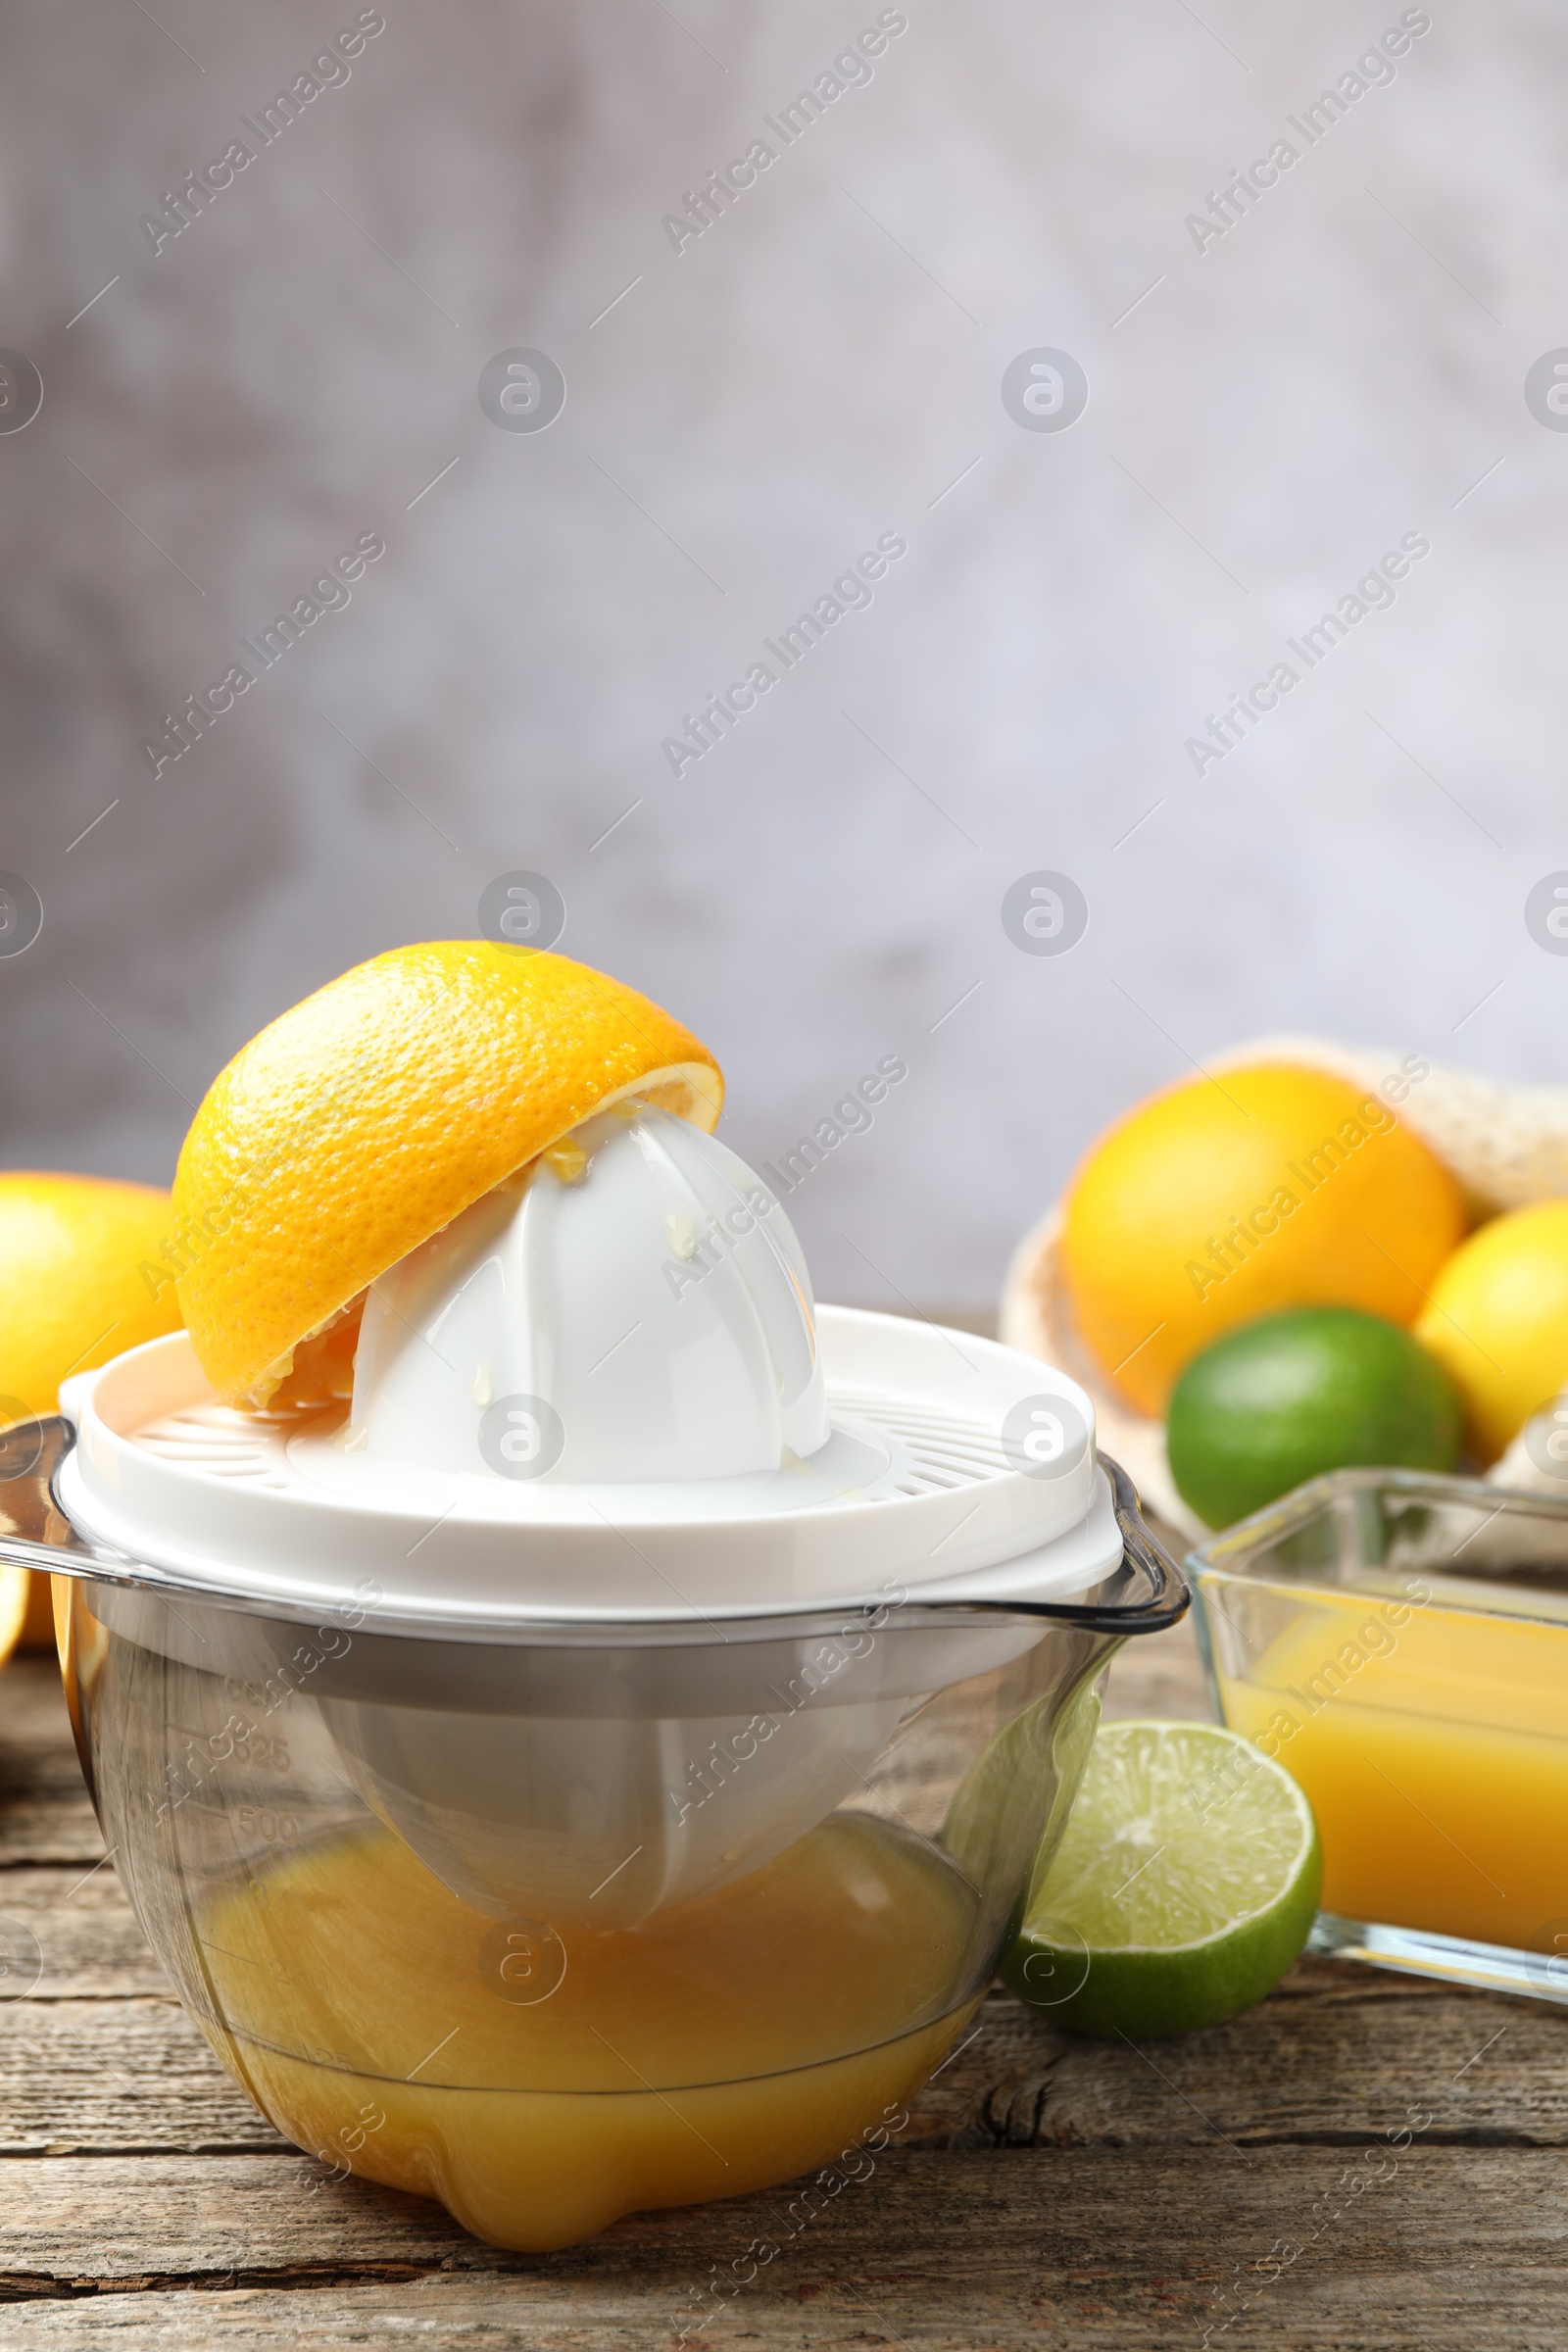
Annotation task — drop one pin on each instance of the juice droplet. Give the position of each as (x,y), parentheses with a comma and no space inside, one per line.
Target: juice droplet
(681,1235)
(483,1390)
(567,1160)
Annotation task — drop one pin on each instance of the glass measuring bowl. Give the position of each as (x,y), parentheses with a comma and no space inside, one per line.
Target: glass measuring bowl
(561,1923)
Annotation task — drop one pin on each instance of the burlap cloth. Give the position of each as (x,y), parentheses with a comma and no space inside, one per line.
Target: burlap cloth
(1506,1145)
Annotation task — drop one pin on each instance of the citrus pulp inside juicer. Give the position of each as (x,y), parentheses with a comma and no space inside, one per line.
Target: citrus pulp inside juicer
(600,1766)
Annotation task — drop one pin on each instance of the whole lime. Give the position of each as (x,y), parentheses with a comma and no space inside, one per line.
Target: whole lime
(1289,1395)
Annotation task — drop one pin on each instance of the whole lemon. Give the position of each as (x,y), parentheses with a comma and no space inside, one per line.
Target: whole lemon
(78,1279)
(1498,1320)
(77,1286)
(1230,1197)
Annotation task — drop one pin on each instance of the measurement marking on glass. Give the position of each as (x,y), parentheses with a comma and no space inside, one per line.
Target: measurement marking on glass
(615,1873)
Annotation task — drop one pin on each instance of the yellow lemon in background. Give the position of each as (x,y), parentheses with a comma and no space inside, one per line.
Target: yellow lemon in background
(1232,1196)
(15,1609)
(1499,1321)
(77,1285)
(367,1117)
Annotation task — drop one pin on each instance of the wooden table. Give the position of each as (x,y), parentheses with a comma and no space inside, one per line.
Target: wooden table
(1048,2192)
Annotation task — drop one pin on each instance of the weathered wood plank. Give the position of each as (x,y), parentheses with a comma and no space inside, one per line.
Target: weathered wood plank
(1065,2247)
(1335,2055)
(32,1707)
(45,1812)
(92,1947)
(72,2220)
(110,2075)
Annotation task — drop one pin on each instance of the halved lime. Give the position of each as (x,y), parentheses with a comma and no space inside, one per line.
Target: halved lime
(1182,1890)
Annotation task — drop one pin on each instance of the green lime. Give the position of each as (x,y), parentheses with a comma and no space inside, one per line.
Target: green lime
(1289,1395)
(1182,1890)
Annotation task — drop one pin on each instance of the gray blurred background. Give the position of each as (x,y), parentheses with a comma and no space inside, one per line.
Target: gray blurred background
(1268,417)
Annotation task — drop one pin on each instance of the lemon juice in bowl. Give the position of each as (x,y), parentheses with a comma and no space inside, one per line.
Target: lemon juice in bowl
(576,1720)
(560,2078)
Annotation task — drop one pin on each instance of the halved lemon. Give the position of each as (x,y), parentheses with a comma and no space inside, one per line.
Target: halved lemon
(366,1119)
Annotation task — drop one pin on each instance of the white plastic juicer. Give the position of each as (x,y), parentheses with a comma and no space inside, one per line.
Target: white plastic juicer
(627,1577)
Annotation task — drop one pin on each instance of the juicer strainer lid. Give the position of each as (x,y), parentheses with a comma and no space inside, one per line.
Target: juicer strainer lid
(953,1467)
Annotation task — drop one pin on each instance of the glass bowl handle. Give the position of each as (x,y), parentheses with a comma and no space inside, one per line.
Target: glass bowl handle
(1145,1593)
(34,1532)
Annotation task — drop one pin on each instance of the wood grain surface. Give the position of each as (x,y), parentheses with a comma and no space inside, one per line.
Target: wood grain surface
(1238,2187)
